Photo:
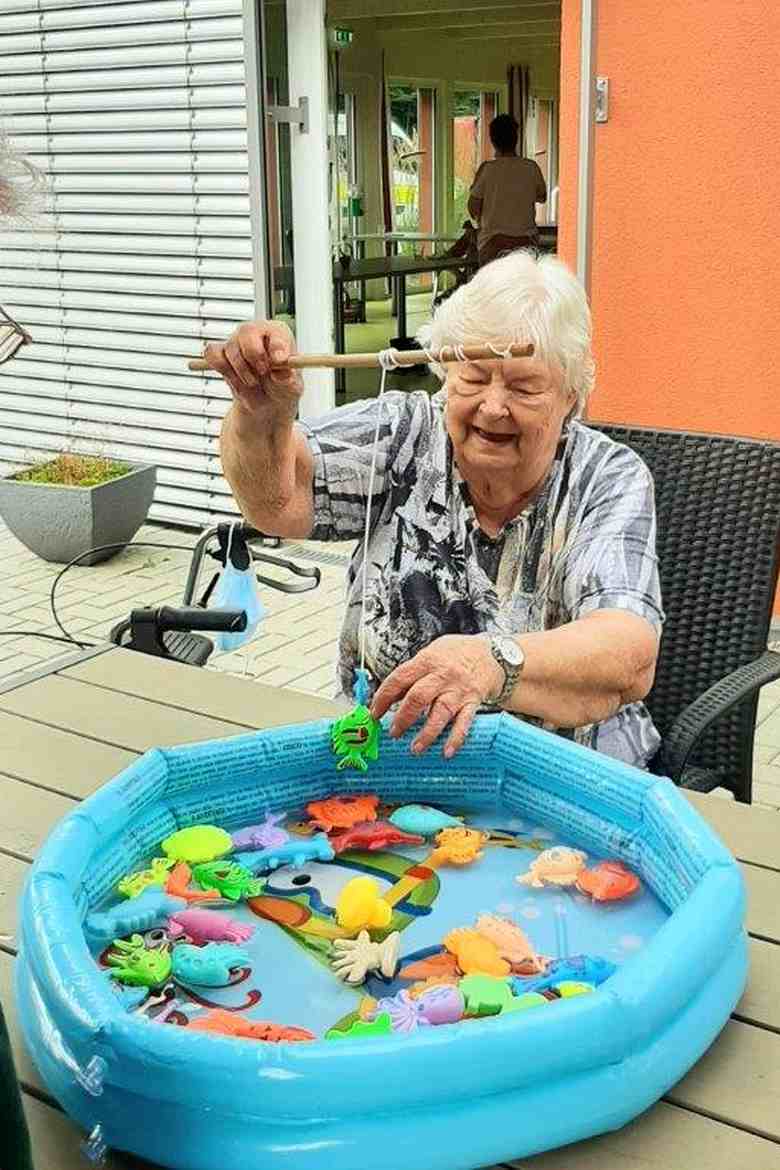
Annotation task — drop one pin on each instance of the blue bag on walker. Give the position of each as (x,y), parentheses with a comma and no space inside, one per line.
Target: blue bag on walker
(237,589)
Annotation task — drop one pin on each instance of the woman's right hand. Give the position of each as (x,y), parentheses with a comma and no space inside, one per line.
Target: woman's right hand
(253,363)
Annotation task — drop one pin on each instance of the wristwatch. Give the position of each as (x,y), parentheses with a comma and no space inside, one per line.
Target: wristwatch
(511,659)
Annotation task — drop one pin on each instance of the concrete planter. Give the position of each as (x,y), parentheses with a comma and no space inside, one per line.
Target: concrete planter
(57,522)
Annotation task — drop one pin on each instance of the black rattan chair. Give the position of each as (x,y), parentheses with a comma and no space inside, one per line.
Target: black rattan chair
(718,505)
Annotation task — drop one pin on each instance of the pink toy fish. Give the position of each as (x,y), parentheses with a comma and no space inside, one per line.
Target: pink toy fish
(204,926)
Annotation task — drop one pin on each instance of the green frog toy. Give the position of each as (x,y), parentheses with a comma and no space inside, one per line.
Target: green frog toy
(230,880)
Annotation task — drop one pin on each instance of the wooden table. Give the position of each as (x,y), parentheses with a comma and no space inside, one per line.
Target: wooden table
(67,729)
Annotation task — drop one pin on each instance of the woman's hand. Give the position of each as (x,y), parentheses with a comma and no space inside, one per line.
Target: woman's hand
(253,363)
(448,680)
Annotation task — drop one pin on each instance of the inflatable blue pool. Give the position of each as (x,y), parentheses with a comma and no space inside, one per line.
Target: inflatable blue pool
(629,991)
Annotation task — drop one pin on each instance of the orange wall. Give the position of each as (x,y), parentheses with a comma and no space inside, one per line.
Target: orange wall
(686,231)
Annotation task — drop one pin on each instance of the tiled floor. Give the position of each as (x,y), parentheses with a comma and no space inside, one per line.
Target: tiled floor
(297,646)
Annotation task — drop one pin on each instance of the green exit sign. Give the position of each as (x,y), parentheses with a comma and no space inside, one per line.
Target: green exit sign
(342,36)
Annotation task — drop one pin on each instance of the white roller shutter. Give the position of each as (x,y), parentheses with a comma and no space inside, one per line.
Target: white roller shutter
(137,113)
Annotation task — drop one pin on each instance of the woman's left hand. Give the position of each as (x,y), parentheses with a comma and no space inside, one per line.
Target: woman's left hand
(448,680)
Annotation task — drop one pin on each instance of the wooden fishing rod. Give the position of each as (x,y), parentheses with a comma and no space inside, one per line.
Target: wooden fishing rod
(399,358)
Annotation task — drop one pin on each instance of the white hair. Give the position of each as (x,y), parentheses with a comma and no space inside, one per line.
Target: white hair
(523,298)
(21,185)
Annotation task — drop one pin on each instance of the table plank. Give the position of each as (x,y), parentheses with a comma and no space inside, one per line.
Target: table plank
(737,1080)
(664,1138)
(111,717)
(763,896)
(12,875)
(58,760)
(29,814)
(751,834)
(761,1003)
(220,696)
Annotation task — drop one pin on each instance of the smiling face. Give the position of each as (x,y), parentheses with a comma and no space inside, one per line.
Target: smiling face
(505,419)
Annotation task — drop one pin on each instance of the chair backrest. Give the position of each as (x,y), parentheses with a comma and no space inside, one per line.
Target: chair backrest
(718,508)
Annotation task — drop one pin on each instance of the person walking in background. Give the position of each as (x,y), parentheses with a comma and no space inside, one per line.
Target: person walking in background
(504,195)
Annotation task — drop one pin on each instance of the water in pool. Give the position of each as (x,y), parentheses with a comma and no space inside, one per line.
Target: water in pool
(418,899)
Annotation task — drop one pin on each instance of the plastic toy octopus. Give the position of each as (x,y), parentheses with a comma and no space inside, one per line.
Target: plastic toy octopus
(355,738)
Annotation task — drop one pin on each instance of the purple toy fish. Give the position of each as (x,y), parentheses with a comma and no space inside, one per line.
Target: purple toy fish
(204,926)
(264,836)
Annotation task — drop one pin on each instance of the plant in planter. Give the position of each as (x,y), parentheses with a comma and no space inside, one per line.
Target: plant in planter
(61,508)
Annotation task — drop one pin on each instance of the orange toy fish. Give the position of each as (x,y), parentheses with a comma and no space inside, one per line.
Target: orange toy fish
(609,881)
(342,812)
(224,1023)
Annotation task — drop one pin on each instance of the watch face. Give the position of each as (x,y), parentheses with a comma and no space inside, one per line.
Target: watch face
(510,651)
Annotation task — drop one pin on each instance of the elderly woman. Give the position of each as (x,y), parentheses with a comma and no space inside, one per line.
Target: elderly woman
(511,558)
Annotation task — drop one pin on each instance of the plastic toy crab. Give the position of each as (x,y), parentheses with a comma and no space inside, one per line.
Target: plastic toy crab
(342,812)
(559,866)
(458,846)
(208,966)
(264,836)
(511,943)
(224,1024)
(355,738)
(231,881)
(373,835)
(475,954)
(353,958)
(133,964)
(201,926)
(156,874)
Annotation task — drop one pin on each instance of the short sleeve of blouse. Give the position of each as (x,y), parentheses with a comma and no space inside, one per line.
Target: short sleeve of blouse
(342,444)
(612,563)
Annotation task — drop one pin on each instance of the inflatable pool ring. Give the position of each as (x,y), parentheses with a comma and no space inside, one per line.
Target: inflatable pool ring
(243,1091)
